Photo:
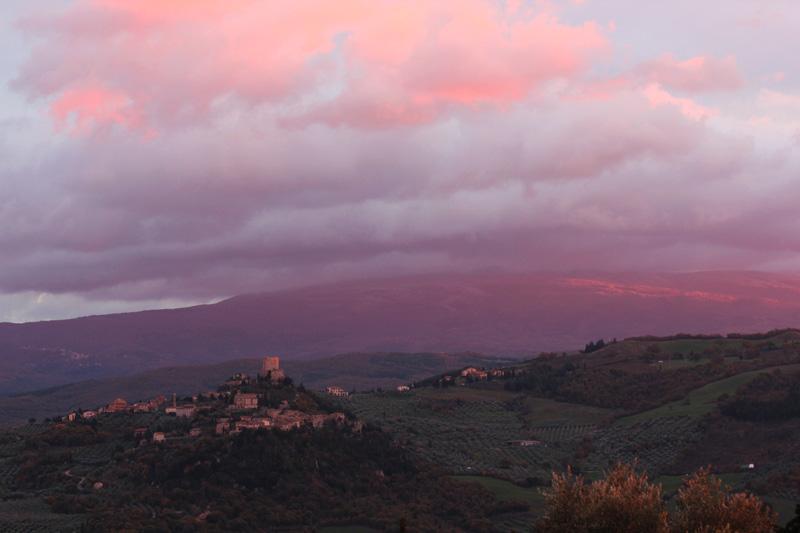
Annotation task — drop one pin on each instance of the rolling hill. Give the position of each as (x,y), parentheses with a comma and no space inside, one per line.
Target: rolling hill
(359,371)
(492,313)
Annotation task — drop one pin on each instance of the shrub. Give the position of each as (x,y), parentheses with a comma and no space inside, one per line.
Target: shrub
(626,502)
(705,505)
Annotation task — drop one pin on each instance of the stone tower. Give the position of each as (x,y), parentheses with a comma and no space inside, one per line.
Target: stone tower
(270,363)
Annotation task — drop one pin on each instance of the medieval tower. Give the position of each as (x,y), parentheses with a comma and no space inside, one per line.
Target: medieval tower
(271,367)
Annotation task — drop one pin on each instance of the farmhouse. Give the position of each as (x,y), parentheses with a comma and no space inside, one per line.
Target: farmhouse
(246,400)
(524,443)
(403,388)
(475,373)
(187,411)
(117,406)
(337,391)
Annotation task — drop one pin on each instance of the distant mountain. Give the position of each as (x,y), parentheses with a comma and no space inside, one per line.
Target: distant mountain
(359,371)
(492,313)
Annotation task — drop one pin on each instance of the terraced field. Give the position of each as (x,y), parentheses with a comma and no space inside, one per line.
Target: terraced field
(467,436)
(566,433)
(653,444)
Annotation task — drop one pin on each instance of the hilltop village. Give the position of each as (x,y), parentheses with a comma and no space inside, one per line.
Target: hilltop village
(266,401)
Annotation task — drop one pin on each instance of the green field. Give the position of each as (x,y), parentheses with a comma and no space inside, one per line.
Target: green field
(507,491)
(703,400)
(545,412)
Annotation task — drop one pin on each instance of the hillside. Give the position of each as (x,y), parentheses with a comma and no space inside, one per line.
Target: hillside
(672,405)
(466,449)
(495,314)
(351,371)
(286,462)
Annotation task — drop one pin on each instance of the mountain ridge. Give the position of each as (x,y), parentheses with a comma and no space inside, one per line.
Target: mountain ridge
(505,314)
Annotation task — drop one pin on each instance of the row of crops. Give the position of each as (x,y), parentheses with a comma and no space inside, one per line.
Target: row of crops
(653,443)
(468,437)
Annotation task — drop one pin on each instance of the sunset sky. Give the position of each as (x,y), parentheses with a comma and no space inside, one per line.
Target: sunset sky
(165,152)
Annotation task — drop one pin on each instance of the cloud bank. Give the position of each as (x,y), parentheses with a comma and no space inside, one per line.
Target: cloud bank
(189,150)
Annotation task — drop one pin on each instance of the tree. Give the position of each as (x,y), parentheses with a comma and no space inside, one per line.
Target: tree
(624,502)
(705,505)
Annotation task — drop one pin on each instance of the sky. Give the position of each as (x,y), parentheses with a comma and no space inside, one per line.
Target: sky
(160,153)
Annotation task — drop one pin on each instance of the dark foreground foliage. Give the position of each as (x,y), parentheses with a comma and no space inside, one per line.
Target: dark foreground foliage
(273,480)
(626,502)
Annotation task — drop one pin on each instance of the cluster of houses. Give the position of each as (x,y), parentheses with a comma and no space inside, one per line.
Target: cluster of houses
(469,374)
(119,405)
(337,391)
(282,418)
(244,409)
(480,374)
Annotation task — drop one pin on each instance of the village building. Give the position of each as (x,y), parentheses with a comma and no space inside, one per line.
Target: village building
(117,406)
(497,372)
(195,432)
(89,414)
(71,417)
(288,424)
(246,400)
(186,411)
(223,425)
(524,443)
(474,373)
(337,391)
(159,436)
(237,380)
(403,388)
(139,432)
(141,407)
(252,423)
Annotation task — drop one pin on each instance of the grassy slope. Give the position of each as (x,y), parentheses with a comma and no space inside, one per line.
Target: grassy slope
(702,401)
(506,491)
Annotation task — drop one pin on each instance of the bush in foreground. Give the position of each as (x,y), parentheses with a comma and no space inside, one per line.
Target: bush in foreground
(627,502)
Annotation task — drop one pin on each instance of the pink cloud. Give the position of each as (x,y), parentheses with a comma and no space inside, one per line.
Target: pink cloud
(696,74)
(356,62)
(82,109)
(657,97)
